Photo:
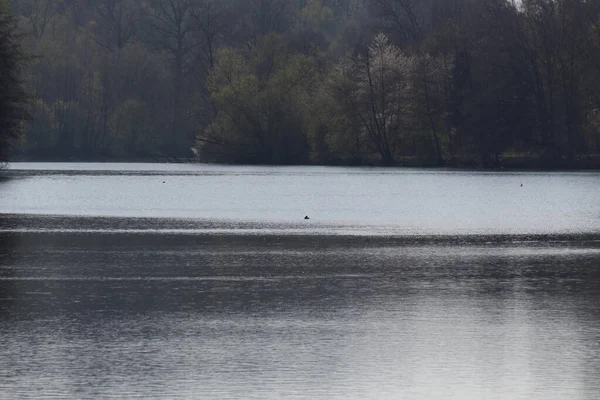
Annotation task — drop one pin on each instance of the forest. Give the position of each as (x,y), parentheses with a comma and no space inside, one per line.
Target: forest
(466,83)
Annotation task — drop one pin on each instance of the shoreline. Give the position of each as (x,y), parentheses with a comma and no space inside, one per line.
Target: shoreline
(206,231)
(7,169)
(515,163)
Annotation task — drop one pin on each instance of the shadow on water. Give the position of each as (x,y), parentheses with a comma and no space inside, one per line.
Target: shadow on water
(8,286)
(328,317)
(137,273)
(126,275)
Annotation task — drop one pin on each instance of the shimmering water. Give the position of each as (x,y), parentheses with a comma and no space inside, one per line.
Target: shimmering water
(366,200)
(403,284)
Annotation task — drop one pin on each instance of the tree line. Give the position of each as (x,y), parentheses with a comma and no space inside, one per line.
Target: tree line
(13,98)
(395,82)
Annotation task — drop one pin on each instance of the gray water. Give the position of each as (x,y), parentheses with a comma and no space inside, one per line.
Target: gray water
(413,284)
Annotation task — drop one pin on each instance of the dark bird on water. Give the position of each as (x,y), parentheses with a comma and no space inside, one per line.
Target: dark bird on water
(306,217)
(521,185)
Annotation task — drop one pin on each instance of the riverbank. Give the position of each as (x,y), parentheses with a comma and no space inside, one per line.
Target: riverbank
(521,162)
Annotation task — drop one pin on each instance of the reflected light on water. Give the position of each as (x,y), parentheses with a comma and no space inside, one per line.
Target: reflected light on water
(468,290)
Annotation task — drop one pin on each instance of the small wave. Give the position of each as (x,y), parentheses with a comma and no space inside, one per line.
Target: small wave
(280,233)
(184,278)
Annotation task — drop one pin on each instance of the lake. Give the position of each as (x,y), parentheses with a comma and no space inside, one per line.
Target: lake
(202,281)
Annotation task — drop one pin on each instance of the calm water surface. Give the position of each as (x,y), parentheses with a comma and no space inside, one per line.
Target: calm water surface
(190,281)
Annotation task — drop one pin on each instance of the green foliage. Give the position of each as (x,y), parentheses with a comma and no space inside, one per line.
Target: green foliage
(467,82)
(372,89)
(263,105)
(317,17)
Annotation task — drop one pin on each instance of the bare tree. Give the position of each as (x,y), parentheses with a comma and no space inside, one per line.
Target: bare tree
(260,17)
(13,99)
(118,23)
(38,13)
(406,19)
(373,87)
(174,26)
